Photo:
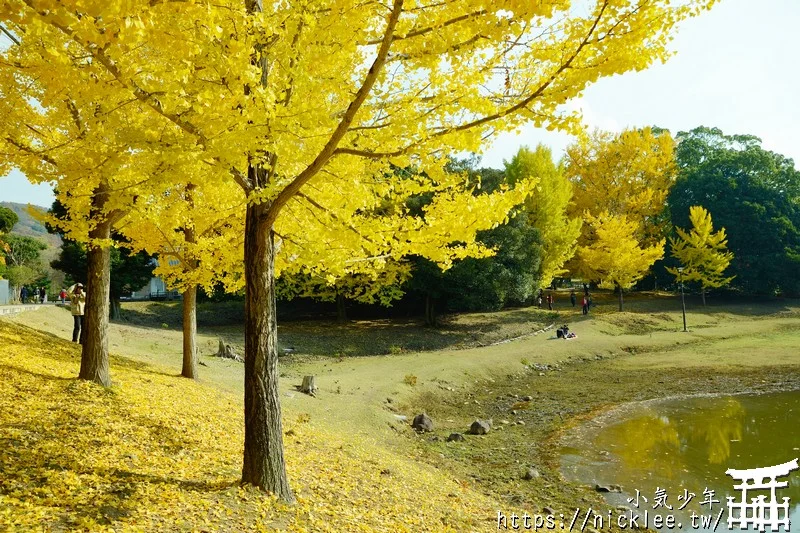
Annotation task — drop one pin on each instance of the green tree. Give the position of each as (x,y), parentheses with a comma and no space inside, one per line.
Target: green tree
(755,194)
(22,258)
(701,252)
(547,208)
(511,274)
(7,219)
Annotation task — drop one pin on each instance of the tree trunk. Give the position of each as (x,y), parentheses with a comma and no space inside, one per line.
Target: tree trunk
(189,369)
(341,310)
(264,464)
(430,311)
(190,333)
(620,298)
(94,355)
(703,296)
(116,309)
(309,385)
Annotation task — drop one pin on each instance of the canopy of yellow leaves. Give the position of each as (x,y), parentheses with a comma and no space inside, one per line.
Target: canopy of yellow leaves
(615,257)
(149,96)
(160,453)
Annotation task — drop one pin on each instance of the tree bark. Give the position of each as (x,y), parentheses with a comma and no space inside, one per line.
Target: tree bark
(94,354)
(309,385)
(264,464)
(116,309)
(430,311)
(189,369)
(190,333)
(341,309)
(703,296)
(620,298)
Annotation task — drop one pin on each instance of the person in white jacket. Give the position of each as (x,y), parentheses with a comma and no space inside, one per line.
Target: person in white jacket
(77,300)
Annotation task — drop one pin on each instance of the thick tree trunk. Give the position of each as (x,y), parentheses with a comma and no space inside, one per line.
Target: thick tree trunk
(94,355)
(620,297)
(703,296)
(341,309)
(190,333)
(264,464)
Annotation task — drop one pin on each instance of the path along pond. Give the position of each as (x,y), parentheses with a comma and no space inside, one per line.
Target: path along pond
(682,448)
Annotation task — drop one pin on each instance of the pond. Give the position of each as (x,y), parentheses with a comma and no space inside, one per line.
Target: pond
(684,447)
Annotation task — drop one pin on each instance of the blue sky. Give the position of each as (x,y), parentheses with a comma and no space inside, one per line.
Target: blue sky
(736,68)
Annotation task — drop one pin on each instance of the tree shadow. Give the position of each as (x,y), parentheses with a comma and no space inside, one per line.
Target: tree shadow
(48,434)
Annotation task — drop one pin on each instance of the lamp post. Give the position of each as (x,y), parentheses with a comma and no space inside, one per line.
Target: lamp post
(683,300)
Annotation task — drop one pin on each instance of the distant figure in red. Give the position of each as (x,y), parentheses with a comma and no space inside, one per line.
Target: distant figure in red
(63,296)
(585,305)
(550,301)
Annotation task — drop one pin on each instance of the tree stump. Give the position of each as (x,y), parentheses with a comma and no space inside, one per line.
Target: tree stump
(309,386)
(226,352)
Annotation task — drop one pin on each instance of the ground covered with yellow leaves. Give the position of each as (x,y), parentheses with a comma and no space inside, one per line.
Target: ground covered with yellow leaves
(157,452)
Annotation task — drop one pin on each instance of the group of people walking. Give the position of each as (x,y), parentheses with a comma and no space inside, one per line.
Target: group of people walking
(586,300)
(33,295)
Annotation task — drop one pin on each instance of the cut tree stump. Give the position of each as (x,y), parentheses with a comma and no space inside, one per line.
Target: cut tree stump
(309,386)
(226,352)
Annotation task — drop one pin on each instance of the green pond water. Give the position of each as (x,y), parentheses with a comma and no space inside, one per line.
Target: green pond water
(685,446)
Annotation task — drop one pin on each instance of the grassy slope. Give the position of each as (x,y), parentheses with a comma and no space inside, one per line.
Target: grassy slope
(352,407)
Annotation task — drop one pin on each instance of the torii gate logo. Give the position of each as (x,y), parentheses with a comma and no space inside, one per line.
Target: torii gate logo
(758,512)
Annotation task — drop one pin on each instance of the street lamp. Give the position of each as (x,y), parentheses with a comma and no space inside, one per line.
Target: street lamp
(683,300)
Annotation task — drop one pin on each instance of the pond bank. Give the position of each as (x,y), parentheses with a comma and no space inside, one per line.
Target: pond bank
(529,434)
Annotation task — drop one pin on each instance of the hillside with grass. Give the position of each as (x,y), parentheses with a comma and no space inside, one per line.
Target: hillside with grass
(31,226)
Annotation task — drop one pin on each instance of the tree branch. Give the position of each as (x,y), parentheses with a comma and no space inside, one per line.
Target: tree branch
(143,96)
(489,118)
(330,147)
(9,35)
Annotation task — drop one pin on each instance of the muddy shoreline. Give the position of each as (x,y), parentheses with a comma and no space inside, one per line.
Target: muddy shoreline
(529,435)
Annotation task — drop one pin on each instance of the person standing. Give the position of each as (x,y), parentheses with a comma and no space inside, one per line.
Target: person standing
(585,305)
(77,300)
(572,297)
(42,295)
(23,294)
(63,296)
(550,301)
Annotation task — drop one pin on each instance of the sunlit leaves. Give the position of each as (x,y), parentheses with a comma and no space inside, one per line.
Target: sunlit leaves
(615,256)
(702,252)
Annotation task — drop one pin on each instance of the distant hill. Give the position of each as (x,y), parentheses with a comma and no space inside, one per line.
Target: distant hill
(28,226)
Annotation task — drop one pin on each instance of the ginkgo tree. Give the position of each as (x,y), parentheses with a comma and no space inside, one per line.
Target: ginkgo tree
(702,253)
(630,174)
(615,256)
(306,106)
(197,239)
(547,209)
